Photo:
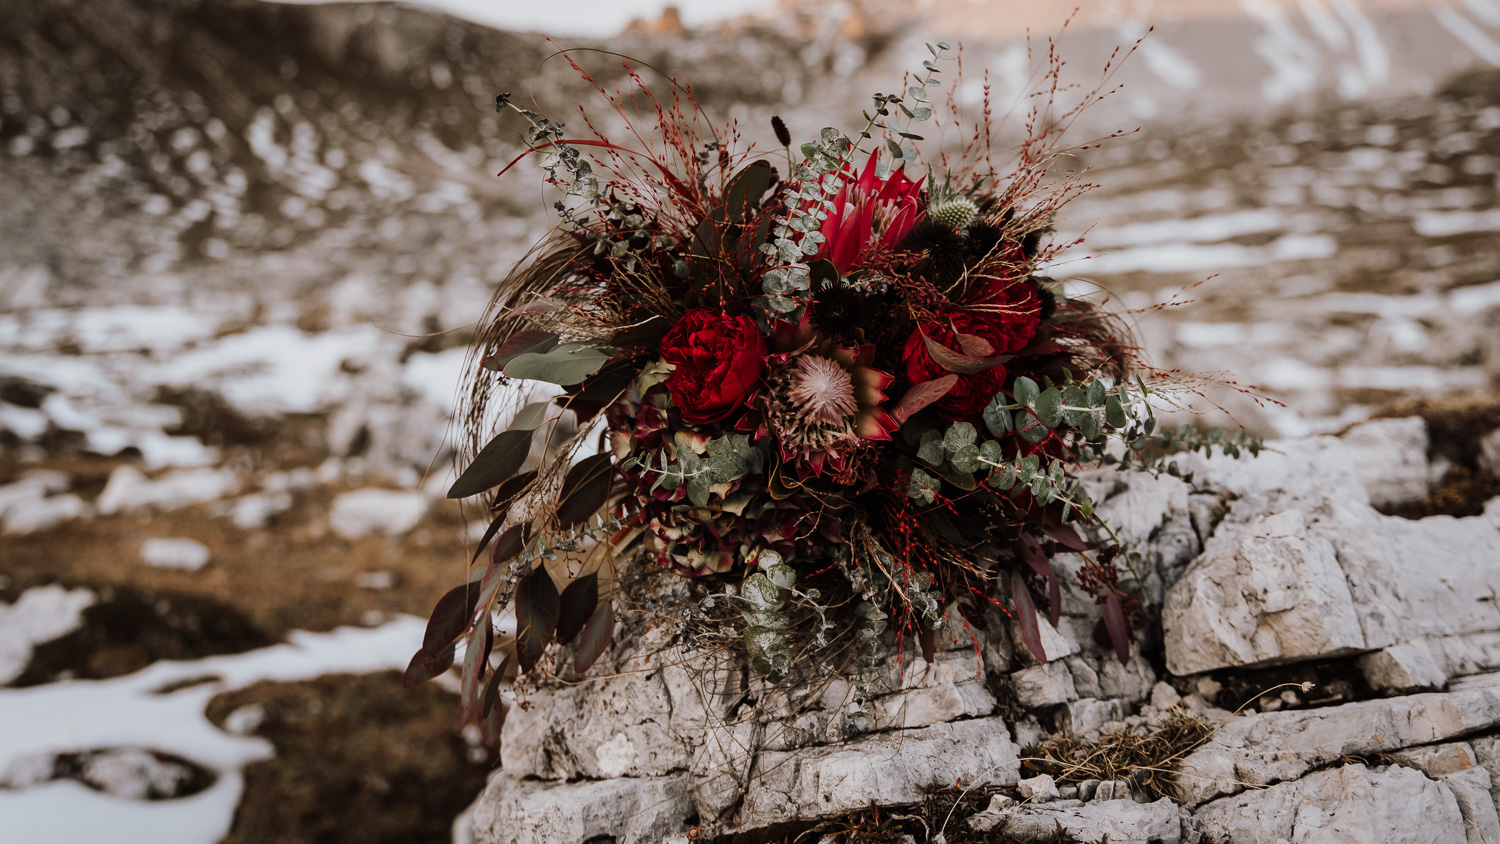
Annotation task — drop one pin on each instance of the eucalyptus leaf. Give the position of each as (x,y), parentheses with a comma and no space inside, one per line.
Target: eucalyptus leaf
(1025,391)
(1049,407)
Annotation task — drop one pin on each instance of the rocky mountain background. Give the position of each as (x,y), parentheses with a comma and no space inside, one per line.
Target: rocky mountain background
(242,246)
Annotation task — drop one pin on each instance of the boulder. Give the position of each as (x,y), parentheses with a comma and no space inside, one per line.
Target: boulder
(1350,804)
(628,810)
(1267,748)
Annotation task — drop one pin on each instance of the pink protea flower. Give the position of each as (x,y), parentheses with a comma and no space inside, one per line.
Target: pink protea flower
(870,208)
(822,402)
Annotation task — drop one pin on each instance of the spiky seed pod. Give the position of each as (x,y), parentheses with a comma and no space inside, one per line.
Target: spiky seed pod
(1029,243)
(943,249)
(1048,298)
(984,238)
(841,311)
(956,213)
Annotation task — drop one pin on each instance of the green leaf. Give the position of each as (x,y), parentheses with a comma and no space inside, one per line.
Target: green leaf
(1031,430)
(1025,391)
(1049,407)
(564,365)
(761,592)
(1088,423)
(699,487)
(996,418)
(494,464)
(784,576)
(518,343)
(767,619)
(1096,393)
(931,449)
(1114,412)
(922,113)
(746,188)
(991,452)
(965,459)
(959,435)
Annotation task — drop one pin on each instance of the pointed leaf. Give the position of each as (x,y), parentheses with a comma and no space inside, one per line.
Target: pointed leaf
(491,694)
(1031,635)
(507,493)
(536,616)
(1114,621)
(958,361)
(595,637)
(746,187)
(491,724)
(565,365)
(494,464)
(928,640)
(425,666)
(1067,537)
(920,395)
(476,660)
(585,489)
(511,543)
(576,607)
(450,618)
(489,533)
(521,342)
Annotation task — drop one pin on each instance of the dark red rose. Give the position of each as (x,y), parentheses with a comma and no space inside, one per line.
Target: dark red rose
(1011,306)
(973,390)
(718,359)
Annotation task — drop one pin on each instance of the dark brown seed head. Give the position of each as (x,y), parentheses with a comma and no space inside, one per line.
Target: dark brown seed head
(783,135)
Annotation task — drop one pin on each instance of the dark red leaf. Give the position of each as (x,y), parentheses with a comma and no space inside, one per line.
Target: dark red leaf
(536,616)
(425,666)
(1031,635)
(1054,597)
(585,489)
(489,533)
(507,493)
(541,306)
(476,660)
(519,343)
(578,603)
(595,637)
(494,464)
(1067,537)
(921,395)
(492,688)
(928,640)
(450,618)
(1034,556)
(491,724)
(1114,621)
(510,543)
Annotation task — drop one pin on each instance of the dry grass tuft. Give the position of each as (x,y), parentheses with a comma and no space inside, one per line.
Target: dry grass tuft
(1148,761)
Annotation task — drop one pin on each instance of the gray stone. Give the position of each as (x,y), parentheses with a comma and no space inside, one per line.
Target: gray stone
(1403,667)
(633,810)
(885,768)
(1455,765)
(1487,755)
(1267,748)
(1121,820)
(1271,594)
(1350,804)
(1043,685)
(1390,457)
(1038,789)
(993,815)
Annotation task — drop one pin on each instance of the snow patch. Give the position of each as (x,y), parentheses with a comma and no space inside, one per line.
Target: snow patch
(39,615)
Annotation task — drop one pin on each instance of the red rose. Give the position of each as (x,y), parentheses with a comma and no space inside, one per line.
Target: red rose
(1012,307)
(973,390)
(718,359)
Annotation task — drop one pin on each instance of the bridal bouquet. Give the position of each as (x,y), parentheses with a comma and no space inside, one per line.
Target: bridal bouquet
(827,385)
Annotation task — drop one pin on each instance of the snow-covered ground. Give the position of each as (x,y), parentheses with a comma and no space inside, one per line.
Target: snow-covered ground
(159,710)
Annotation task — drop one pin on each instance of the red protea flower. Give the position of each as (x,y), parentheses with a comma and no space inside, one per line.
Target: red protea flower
(870,208)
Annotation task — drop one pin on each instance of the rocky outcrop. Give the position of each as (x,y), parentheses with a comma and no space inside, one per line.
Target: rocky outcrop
(1257,564)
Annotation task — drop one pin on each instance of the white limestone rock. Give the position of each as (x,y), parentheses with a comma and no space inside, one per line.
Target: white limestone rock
(34,515)
(39,615)
(1038,789)
(1043,685)
(633,810)
(1390,457)
(1403,667)
(1272,747)
(129,490)
(1351,804)
(1273,593)
(886,768)
(1120,820)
